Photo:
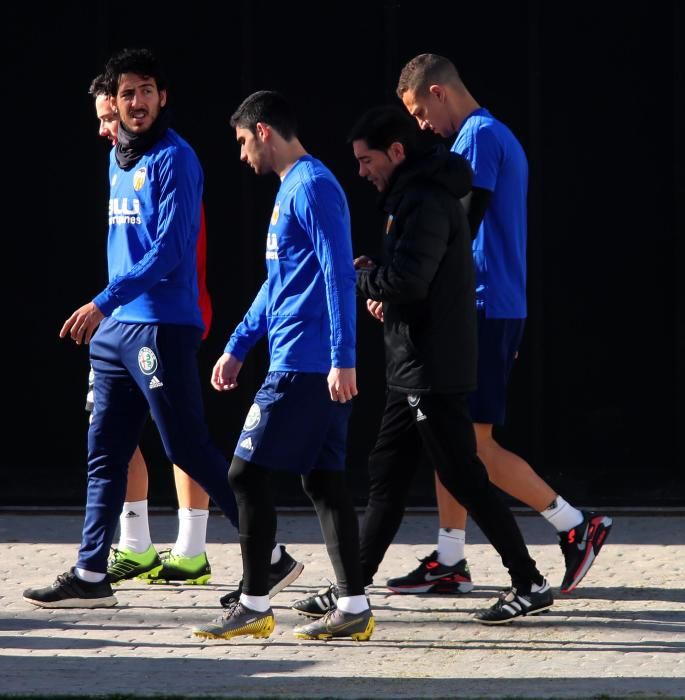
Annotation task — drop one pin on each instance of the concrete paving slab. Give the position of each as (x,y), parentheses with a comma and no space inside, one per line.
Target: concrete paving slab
(620,634)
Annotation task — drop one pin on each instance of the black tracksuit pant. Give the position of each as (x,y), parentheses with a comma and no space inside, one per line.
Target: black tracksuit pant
(327,489)
(440,426)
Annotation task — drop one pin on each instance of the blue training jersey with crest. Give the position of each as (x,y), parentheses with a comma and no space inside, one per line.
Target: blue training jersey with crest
(154,219)
(306,305)
(499,249)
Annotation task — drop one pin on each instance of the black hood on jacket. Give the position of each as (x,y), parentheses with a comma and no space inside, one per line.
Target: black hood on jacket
(449,170)
(426,277)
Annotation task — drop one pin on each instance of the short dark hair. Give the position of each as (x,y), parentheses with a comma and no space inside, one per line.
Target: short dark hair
(139,61)
(269,107)
(425,70)
(98,86)
(384,125)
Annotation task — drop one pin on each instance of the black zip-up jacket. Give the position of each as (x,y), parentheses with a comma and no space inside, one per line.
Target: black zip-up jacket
(426,280)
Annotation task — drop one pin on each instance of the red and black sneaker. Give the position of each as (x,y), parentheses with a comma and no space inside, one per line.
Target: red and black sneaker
(433,577)
(580,547)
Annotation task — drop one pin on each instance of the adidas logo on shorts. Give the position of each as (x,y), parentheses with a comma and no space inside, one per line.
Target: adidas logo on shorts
(246,444)
(155,383)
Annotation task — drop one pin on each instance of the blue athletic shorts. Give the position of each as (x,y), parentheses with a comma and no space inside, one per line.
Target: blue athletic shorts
(293,425)
(498,343)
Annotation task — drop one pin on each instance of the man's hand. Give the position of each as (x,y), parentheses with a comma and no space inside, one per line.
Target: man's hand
(363,262)
(225,372)
(82,323)
(342,383)
(375,308)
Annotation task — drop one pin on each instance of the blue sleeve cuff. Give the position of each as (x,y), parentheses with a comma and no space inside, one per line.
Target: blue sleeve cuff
(343,357)
(236,348)
(106,303)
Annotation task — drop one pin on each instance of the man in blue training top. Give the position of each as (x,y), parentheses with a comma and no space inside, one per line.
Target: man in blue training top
(298,421)
(432,91)
(148,325)
(135,555)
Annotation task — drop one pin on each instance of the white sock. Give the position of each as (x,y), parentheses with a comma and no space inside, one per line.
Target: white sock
(276,554)
(134,528)
(259,603)
(192,532)
(89,576)
(451,545)
(562,515)
(352,603)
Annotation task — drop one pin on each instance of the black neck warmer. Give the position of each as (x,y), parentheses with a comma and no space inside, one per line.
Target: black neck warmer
(132,147)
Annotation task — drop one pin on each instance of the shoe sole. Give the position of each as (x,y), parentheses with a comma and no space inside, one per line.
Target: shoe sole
(140,575)
(463,587)
(198,581)
(355,636)
(259,630)
(313,615)
(108,602)
(529,613)
(291,576)
(592,551)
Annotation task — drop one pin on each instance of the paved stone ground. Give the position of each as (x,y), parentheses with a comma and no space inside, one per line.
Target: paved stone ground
(620,634)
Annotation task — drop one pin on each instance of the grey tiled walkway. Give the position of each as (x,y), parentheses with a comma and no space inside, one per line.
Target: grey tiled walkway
(622,633)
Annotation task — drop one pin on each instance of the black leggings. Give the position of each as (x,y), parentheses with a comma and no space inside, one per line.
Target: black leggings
(439,424)
(328,492)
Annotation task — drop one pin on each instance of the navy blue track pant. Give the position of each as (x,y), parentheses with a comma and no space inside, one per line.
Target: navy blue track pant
(143,368)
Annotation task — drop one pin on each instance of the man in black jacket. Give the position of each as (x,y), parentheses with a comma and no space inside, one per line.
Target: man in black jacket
(426,286)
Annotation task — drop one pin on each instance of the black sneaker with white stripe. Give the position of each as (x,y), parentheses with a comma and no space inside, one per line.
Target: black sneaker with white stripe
(433,577)
(512,604)
(69,591)
(319,604)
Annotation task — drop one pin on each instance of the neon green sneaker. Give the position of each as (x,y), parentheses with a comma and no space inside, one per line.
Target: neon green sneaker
(124,564)
(175,567)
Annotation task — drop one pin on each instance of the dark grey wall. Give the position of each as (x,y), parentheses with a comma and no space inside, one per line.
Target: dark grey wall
(593,91)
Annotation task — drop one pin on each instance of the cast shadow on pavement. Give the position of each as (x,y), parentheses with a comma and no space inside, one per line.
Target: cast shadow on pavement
(257,678)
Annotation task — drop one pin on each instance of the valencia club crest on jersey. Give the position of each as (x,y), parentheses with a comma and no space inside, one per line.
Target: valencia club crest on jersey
(275,213)
(139,179)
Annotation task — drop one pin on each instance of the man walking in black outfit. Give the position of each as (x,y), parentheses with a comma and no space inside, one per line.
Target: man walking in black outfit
(426,285)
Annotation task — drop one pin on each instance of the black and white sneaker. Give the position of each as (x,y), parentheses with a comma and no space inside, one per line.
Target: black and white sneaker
(512,604)
(281,574)
(69,591)
(430,576)
(580,546)
(319,604)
